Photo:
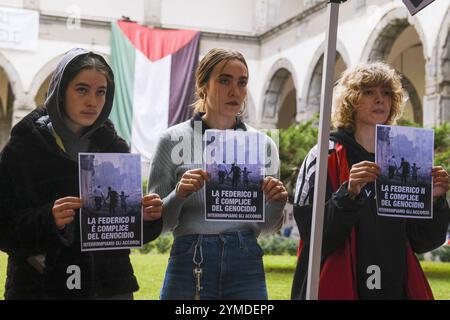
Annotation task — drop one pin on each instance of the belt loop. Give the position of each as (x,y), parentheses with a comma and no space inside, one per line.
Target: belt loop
(241,240)
(222,238)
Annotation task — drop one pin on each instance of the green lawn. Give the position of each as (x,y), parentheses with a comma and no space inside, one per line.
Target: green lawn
(150,269)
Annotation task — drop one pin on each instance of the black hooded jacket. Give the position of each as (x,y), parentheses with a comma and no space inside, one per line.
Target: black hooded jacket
(34,172)
(380,241)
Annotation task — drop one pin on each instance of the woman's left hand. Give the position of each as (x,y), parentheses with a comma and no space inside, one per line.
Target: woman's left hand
(152,205)
(441,181)
(274,189)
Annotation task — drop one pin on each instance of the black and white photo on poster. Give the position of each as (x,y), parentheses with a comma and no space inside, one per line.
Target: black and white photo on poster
(405,157)
(234,161)
(414,6)
(111,192)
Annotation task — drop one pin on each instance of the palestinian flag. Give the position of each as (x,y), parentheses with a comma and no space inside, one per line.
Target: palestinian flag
(154,76)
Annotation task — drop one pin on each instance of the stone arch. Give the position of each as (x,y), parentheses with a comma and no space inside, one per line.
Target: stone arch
(310,103)
(385,33)
(41,78)
(414,102)
(437,98)
(281,73)
(288,105)
(389,42)
(14,95)
(250,116)
(13,77)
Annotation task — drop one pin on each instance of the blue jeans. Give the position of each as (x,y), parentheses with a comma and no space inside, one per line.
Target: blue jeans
(232,268)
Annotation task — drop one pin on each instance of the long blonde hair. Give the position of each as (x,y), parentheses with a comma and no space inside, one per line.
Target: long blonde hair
(349,91)
(205,69)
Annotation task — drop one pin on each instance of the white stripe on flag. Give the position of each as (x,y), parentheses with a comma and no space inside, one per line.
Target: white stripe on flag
(151,103)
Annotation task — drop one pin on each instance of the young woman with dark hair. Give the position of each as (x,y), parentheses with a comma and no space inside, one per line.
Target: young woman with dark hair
(39,188)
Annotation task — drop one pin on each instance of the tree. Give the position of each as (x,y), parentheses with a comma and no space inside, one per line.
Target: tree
(294,145)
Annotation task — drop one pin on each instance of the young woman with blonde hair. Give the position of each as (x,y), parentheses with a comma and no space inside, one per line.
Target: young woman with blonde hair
(227,253)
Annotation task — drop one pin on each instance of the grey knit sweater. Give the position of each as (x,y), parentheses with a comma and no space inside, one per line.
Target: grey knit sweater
(186,216)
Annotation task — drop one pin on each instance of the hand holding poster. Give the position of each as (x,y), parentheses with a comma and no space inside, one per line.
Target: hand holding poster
(234,161)
(111,192)
(405,157)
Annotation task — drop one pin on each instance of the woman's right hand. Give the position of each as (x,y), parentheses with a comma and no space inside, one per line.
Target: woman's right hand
(191,181)
(64,210)
(362,173)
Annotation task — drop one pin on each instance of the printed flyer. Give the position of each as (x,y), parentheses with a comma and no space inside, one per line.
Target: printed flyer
(234,160)
(111,192)
(405,157)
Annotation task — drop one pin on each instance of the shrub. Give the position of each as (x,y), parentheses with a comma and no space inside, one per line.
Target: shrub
(144,186)
(443,253)
(147,248)
(420,256)
(278,245)
(292,247)
(294,145)
(442,145)
(164,242)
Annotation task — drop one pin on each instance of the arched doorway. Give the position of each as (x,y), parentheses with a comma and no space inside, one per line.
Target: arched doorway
(280,100)
(398,43)
(280,96)
(443,86)
(249,116)
(406,56)
(313,97)
(41,95)
(6,107)
(437,100)
(288,105)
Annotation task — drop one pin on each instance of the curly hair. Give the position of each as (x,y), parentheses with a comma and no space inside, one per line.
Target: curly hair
(351,85)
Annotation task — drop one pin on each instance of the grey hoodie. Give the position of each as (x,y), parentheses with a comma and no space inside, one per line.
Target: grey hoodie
(54,105)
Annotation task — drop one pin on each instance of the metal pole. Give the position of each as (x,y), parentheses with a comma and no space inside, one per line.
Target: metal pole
(315,250)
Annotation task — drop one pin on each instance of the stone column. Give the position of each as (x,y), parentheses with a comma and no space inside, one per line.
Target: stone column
(436,104)
(23,104)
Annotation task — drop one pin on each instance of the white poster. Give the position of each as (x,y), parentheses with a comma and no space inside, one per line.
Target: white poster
(234,161)
(111,191)
(19,29)
(405,187)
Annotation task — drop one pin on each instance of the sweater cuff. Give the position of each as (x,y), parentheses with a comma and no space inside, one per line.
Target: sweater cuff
(275,205)
(342,199)
(174,200)
(172,205)
(273,218)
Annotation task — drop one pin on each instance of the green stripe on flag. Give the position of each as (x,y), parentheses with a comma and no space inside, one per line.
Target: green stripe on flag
(123,55)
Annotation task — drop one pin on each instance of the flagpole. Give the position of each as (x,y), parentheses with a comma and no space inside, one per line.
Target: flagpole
(315,249)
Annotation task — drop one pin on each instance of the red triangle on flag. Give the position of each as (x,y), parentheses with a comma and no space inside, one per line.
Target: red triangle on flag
(156,44)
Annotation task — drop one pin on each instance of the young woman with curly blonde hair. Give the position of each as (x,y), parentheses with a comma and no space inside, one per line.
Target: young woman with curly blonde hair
(364,255)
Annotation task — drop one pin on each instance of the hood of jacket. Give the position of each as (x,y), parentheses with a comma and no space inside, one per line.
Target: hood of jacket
(355,150)
(54,105)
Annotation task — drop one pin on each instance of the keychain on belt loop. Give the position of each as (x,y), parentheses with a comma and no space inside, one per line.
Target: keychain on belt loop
(197,271)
